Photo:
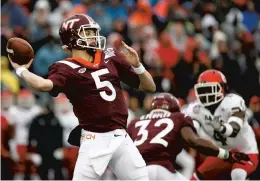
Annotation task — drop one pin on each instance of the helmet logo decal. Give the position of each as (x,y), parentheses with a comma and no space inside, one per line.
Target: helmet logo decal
(69,23)
(109,53)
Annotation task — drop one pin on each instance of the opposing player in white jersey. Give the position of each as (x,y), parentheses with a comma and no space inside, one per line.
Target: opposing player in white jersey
(161,135)
(221,117)
(22,115)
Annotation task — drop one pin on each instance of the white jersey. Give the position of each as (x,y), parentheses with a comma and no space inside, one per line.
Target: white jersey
(244,141)
(21,119)
(68,121)
(8,114)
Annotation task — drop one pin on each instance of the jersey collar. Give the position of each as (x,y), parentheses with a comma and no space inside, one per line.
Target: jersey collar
(94,64)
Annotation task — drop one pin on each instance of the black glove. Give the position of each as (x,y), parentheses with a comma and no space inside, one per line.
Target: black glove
(237,157)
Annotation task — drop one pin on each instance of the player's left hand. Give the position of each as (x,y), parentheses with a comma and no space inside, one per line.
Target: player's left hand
(130,55)
(215,124)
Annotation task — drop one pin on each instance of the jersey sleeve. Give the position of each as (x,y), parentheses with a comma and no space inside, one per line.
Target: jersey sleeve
(187,122)
(59,76)
(126,72)
(181,120)
(235,103)
(194,111)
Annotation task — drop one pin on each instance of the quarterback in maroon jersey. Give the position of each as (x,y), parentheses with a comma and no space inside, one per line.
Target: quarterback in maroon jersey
(161,134)
(91,81)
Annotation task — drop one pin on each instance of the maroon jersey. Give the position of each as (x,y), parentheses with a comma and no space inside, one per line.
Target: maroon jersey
(94,89)
(157,136)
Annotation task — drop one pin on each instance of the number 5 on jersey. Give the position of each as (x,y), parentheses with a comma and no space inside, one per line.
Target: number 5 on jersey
(158,139)
(100,84)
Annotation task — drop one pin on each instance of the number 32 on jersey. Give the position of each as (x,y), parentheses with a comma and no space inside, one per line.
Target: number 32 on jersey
(158,139)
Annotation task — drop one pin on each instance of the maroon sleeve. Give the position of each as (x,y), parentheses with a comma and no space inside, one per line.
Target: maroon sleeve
(59,76)
(126,72)
(187,122)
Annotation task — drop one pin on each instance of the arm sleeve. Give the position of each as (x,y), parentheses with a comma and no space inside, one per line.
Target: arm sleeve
(235,102)
(187,122)
(126,72)
(59,76)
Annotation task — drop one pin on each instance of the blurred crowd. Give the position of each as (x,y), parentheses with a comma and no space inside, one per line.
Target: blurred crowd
(175,39)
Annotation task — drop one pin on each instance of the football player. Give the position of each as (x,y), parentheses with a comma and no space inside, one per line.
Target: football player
(64,112)
(91,81)
(7,104)
(221,117)
(22,115)
(161,134)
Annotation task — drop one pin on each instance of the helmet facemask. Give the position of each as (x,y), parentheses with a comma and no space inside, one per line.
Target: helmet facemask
(84,39)
(209,93)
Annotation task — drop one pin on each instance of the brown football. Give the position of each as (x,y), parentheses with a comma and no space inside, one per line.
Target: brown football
(19,50)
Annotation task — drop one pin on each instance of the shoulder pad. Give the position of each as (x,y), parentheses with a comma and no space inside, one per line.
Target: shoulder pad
(109,52)
(193,110)
(234,102)
(70,64)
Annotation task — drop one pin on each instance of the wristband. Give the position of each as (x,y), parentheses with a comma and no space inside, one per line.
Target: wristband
(20,70)
(223,154)
(237,120)
(139,70)
(226,130)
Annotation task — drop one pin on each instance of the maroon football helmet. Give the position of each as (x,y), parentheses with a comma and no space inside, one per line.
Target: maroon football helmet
(73,33)
(166,101)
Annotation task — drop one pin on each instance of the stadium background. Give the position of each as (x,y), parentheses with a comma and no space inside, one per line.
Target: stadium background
(176,41)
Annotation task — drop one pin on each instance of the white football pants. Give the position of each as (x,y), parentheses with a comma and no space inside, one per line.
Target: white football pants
(187,162)
(114,149)
(157,172)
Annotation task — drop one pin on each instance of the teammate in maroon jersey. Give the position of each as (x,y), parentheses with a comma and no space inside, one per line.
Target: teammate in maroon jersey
(161,134)
(91,81)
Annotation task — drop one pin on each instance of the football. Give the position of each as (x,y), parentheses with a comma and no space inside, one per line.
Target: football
(19,51)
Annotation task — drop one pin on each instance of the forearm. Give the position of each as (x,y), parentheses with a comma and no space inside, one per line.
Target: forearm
(205,147)
(36,81)
(146,82)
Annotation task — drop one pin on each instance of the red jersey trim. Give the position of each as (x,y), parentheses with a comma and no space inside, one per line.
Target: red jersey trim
(86,63)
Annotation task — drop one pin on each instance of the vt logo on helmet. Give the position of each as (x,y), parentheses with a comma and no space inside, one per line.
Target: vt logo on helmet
(69,23)
(81,32)
(211,87)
